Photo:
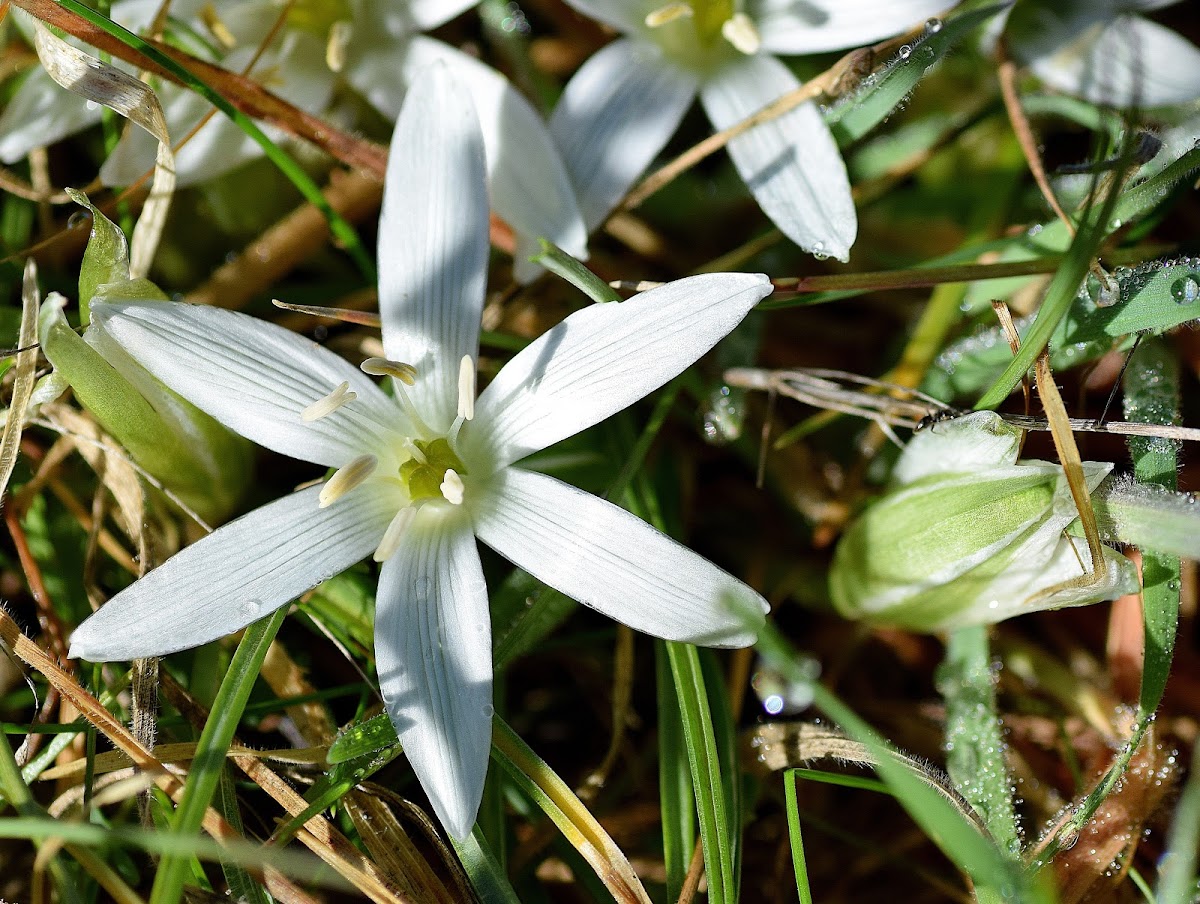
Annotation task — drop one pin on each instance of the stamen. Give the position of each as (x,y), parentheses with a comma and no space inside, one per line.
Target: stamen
(395,532)
(331,403)
(339,39)
(452,487)
(466,388)
(216,27)
(413,450)
(347,478)
(740,31)
(381,367)
(668,13)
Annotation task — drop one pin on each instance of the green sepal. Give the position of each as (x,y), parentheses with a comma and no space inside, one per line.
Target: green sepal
(192,455)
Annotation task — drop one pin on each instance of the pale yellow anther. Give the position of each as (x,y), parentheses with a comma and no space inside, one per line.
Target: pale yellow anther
(452,487)
(216,27)
(395,532)
(339,39)
(347,478)
(668,13)
(466,388)
(329,404)
(380,367)
(740,31)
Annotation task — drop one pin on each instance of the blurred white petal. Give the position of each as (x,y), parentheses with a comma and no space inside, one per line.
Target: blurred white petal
(622,15)
(615,115)
(606,558)
(527,180)
(433,241)
(237,575)
(815,26)
(602,359)
(41,113)
(433,653)
(791,164)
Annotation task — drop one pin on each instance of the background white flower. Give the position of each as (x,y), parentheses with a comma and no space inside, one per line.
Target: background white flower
(1104,52)
(419,474)
(624,103)
(42,112)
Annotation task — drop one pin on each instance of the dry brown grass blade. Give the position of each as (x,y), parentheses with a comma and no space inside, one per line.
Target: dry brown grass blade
(91,708)
(290,242)
(317,833)
(246,94)
(25,371)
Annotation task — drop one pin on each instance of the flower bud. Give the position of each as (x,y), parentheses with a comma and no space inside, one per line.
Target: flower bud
(968,535)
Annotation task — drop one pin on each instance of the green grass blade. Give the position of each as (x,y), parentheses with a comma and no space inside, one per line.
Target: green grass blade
(343,232)
(716,832)
(975,744)
(674,778)
(851,118)
(484,871)
(1152,395)
(1177,870)
(794,837)
(212,748)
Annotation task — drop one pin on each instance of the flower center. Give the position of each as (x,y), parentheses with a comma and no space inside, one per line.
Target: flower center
(697,28)
(423,465)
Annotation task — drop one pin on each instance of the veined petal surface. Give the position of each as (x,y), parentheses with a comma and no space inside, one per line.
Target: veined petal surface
(607,559)
(1124,62)
(238,574)
(600,360)
(791,164)
(815,26)
(527,180)
(433,653)
(615,115)
(254,377)
(433,241)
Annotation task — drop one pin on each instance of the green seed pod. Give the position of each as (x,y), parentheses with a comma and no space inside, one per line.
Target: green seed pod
(968,535)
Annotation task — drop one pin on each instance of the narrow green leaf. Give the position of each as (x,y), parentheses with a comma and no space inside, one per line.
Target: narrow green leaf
(974,740)
(799,867)
(1152,395)
(880,94)
(376,733)
(674,778)
(484,870)
(1177,882)
(212,748)
(716,832)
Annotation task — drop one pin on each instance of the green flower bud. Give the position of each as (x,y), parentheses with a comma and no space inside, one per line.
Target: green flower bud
(203,464)
(968,535)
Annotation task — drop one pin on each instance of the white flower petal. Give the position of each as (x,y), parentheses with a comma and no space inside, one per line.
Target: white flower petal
(600,360)
(815,26)
(622,15)
(41,113)
(240,573)
(433,241)
(608,559)
(615,115)
(297,73)
(527,180)
(1126,62)
(433,653)
(790,164)
(254,377)
(428,14)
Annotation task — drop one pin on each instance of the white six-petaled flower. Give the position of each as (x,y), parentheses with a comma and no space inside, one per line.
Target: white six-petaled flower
(625,102)
(421,473)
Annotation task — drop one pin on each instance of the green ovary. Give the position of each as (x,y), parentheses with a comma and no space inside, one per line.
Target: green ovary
(423,480)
